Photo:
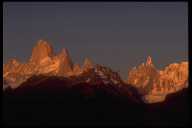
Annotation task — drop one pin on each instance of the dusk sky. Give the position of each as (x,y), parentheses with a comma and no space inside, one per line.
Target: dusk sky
(119,35)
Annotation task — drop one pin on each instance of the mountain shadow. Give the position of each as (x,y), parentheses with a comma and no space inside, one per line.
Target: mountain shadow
(49,100)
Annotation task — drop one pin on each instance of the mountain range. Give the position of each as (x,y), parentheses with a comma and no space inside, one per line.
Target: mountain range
(151,85)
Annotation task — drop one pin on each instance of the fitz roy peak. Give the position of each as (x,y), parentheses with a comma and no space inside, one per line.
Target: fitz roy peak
(41,51)
(42,61)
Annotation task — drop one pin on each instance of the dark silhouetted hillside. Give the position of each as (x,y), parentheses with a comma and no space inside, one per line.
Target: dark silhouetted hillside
(59,101)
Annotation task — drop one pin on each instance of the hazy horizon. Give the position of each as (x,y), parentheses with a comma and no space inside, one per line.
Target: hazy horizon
(116,34)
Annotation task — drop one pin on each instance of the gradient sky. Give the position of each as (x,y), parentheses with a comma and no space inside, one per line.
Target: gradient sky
(119,35)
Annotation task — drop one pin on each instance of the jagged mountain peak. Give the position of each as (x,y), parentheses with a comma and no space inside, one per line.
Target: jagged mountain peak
(63,54)
(42,42)
(108,73)
(149,61)
(66,64)
(64,51)
(87,64)
(146,78)
(101,74)
(156,84)
(40,51)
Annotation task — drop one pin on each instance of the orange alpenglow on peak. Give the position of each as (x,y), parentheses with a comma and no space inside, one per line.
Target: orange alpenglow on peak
(65,62)
(149,61)
(151,83)
(155,84)
(41,50)
(87,63)
(64,51)
(64,54)
(40,42)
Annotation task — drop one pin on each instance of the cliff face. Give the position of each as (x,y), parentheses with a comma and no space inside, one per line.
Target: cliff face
(143,76)
(41,51)
(175,74)
(42,61)
(155,84)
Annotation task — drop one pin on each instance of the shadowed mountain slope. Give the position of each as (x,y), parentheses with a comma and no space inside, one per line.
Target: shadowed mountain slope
(56,100)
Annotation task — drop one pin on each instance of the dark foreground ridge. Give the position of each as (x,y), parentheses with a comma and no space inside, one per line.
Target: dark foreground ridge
(60,101)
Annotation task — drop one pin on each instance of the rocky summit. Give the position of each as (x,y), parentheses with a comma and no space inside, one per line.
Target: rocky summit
(156,84)
(152,84)
(41,51)
(42,61)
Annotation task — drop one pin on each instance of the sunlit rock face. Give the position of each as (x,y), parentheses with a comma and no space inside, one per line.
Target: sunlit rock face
(155,84)
(42,50)
(175,75)
(14,72)
(77,69)
(42,61)
(65,62)
(88,64)
(143,76)
(11,66)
